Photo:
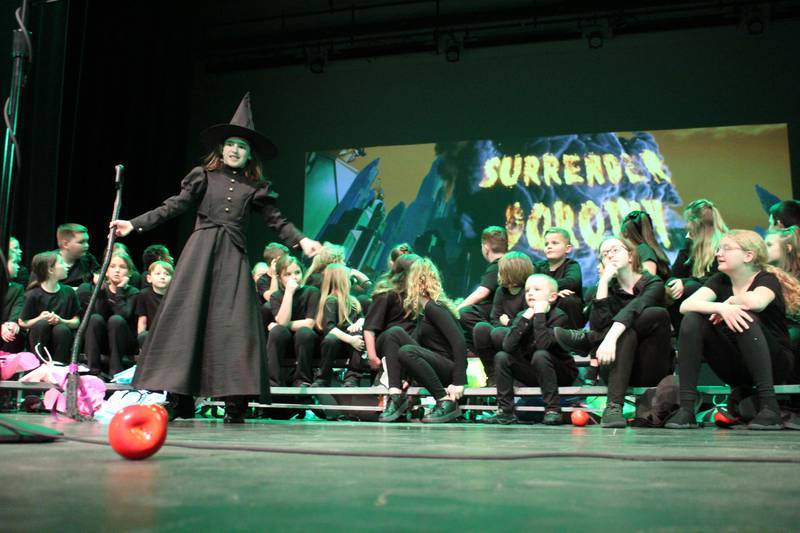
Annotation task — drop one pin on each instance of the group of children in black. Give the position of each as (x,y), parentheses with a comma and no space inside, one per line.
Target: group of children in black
(730,299)
(47,303)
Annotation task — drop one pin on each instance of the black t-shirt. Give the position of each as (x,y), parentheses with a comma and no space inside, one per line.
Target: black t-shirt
(81,271)
(147,303)
(646,253)
(439,331)
(14,300)
(304,302)
(386,311)
(330,316)
(262,285)
(489,278)
(64,303)
(508,304)
(773,316)
(568,275)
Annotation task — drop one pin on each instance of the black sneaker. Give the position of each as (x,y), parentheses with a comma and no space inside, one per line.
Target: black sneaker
(395,408)
(575,340)
(235,409)
(681,419)
(553,417)
(766,420)
(500,417)
(612,417)
(443,411)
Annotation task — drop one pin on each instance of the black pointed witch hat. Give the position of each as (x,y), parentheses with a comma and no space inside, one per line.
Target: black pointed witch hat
(242,126)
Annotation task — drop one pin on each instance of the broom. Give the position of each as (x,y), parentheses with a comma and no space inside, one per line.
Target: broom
(73,378)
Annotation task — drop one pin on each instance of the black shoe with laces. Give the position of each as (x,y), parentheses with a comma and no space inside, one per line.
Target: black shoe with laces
(443,411)
(576,340)
(612,417)
(681,419)
(766,420)
(500,417)
(396,406)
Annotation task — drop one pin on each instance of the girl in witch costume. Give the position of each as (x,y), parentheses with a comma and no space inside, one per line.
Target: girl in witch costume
(207,337)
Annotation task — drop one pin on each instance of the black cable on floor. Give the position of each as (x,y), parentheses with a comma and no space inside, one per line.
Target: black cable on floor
(466,457)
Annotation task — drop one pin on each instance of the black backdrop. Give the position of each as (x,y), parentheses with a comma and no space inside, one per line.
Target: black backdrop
(127,82)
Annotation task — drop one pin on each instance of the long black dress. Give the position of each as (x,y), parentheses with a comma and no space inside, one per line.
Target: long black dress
(207,338)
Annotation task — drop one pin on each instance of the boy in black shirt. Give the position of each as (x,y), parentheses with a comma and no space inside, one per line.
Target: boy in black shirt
(477,306)
(532,356)
(159,276)
(566,272)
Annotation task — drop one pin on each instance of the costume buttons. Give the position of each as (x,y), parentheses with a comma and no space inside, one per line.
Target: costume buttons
(227,209)
(229,198)
(233,180)
(230,189)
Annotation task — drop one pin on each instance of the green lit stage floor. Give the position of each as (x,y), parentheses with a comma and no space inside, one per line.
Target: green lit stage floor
(69,486)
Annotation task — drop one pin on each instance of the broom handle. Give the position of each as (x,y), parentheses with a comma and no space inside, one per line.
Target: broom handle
(72,399)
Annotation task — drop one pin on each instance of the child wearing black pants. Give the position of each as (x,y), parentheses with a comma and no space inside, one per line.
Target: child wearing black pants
(340,321)
(292,333)
(111,325)
(509,300)
(386,310)
(531,355)
(477,306)
(630,329)
(436,359)
(737,323)
(50,311)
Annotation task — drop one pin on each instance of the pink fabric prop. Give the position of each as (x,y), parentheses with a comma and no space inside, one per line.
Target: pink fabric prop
(91,393)
(11,363)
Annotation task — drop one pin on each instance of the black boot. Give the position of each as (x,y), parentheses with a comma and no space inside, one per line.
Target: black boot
(179,406)
(235,409)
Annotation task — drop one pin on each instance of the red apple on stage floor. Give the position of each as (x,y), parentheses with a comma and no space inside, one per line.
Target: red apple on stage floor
(579,417)
(138,431)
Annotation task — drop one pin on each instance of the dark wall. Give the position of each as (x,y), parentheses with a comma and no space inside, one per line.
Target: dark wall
(656,81)
(136,92)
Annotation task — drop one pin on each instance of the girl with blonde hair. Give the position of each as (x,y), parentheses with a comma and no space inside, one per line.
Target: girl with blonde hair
(736,322)
(436,357)
(339,318)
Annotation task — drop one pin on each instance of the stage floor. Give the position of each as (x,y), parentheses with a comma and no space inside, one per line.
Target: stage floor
(69,486)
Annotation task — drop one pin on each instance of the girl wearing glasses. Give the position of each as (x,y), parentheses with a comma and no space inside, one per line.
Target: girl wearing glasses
(737,323)
(630,329)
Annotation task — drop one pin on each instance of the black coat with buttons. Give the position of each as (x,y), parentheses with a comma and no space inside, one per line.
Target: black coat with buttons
(207,338)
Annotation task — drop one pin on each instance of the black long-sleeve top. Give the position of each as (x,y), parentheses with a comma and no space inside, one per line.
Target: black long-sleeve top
(13,302)
(439,331)
(528,335)
(223,197)
(386,311)
(620,306)
(568,275)
(330,316)
(682,266)
(508,304)
(120,303)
